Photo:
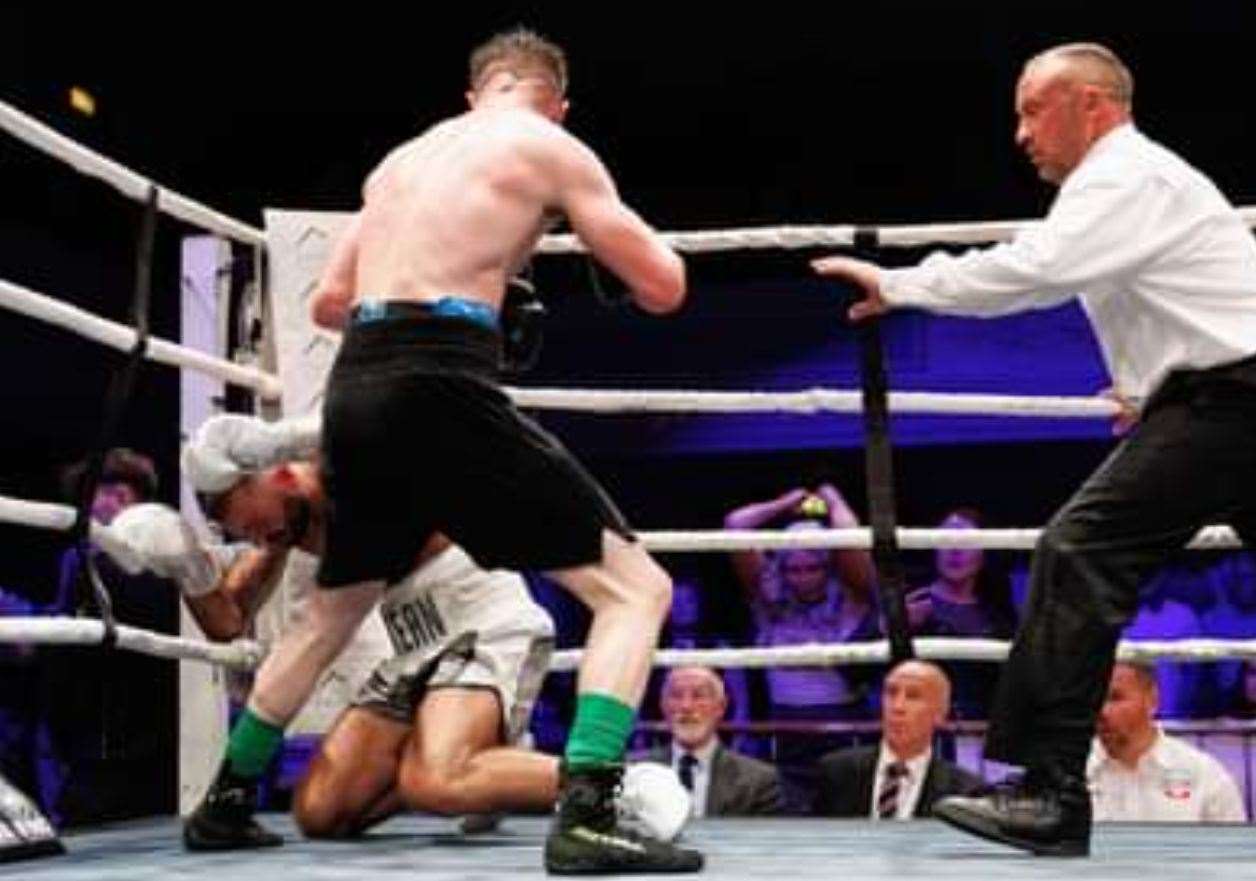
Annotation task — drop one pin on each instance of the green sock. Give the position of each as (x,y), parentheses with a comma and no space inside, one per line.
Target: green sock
(600,731)
(252,744)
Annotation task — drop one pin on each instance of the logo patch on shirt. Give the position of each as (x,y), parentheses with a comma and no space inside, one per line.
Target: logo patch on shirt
(1177,784)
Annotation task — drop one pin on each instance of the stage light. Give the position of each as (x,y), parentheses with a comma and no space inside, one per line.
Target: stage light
(82,101)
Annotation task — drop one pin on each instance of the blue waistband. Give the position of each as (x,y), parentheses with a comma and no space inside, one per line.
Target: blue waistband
(368,311)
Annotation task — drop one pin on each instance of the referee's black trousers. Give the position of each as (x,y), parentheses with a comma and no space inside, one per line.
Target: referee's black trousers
(1191,461)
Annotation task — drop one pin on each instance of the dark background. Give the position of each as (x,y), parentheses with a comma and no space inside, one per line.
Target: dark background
(707,118)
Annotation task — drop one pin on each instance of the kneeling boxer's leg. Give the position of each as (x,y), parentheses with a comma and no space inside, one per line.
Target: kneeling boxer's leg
(352,782)
(455,762)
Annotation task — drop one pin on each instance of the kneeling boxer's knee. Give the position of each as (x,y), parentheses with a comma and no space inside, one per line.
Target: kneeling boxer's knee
(439,791)
(426,790)
(317,818)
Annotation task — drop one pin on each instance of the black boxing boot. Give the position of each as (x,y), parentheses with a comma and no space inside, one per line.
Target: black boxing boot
(224,818)
(1046,813)
(586,838)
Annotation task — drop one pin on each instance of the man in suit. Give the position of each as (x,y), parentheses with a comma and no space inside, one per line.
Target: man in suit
(899,779)
(722,782)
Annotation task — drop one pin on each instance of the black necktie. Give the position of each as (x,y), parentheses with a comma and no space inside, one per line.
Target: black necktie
(687,764)
(891,787)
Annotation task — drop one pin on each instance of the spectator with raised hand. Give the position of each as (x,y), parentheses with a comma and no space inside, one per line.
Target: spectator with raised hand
(805,596)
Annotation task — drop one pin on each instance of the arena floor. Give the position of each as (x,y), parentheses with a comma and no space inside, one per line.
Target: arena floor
(428,848)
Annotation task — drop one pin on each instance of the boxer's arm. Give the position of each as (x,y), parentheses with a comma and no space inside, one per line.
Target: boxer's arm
(329,305)
(613,232)
(226,612)
(222,584)
(297,660)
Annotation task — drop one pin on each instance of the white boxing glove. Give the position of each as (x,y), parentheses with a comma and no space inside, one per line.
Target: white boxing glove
(230,446)
(653,801)
(168,546)
(127,557)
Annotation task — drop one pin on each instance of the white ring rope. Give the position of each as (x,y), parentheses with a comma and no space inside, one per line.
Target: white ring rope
(799,237)
(931,647)
(84,631)
(712,240)
(247,654)
(41,515)
(817,400)
(120,336)
(135,186)
(909,538)
(810,401)
(60,518)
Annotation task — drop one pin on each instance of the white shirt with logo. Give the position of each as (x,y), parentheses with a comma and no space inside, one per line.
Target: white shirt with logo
(1173,783)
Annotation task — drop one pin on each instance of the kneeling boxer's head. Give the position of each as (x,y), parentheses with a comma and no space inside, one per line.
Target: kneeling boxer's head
(267,509)
(267,506)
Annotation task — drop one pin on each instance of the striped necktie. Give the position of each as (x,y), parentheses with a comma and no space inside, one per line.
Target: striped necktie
(891,789)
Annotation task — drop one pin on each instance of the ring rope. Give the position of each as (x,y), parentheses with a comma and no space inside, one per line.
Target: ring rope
(816,400)
(61,518)
(714,240)
(929,648)
(795,237)
(909,538)
(122,337)
(62,630)
(132,185)
(246,654)
(55,517)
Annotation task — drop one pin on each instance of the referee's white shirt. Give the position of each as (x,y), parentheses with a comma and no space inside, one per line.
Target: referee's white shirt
(1164,266)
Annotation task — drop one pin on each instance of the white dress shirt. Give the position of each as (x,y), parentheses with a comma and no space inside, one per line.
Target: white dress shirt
(908,787)
(1164,266)
(1173,783)
(701,772)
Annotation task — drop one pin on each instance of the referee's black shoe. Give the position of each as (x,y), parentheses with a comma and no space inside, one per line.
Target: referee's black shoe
(1046,813)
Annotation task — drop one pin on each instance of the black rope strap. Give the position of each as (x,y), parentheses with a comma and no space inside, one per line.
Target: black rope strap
(891,580)
(121,387)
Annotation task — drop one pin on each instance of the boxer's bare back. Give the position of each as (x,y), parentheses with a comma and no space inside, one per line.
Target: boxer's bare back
(457,210)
